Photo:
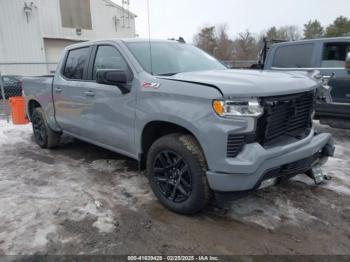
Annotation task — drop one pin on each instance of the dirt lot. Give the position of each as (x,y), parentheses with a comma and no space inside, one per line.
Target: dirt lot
(80,199)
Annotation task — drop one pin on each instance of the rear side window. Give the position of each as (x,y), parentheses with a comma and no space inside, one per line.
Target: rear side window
(294,56)
(76,63)
(334,55)
(108,57)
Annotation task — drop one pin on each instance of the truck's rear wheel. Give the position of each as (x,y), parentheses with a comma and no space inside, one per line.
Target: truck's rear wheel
(44,136)
(176,169)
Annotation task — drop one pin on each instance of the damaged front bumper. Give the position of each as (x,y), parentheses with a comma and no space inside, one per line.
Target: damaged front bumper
(256,165)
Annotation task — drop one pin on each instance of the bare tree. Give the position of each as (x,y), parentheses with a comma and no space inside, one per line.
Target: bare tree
(272,34)
(224,47)
(206,39)
(292,32)
(245,47)
(287,33)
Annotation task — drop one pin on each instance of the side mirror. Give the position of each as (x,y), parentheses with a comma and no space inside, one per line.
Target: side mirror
(113,77)
(347,61)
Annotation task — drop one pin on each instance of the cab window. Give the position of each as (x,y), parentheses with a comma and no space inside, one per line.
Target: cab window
(108,57)
(76,63)
(334,55)
(294,56)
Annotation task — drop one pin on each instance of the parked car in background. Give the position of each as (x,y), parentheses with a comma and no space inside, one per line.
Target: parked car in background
(12,86)
(194,125)
(328,56)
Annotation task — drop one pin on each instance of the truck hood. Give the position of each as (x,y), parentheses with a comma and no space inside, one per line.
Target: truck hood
(249,83)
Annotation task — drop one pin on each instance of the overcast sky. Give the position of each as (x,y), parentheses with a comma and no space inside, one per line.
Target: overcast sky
(173,18)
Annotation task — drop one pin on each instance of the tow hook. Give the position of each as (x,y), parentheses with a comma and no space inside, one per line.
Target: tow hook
(317,175)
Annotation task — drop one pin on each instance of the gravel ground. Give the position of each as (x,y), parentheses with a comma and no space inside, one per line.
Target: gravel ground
(80,199)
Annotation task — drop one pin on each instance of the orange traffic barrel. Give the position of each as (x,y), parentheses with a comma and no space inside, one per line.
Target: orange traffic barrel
(18,113)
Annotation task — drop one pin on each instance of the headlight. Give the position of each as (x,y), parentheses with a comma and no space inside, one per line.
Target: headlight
(244,107)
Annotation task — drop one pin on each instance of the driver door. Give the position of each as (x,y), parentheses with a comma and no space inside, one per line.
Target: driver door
(111,117)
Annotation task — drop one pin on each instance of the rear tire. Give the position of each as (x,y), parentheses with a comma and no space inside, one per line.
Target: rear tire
(44,136)
(176,169)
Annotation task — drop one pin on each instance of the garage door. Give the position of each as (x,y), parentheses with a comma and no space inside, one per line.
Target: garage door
(54,47)
(53,50)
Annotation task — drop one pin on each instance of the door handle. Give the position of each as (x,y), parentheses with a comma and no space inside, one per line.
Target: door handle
(90,93)
(332,75)
(58,90)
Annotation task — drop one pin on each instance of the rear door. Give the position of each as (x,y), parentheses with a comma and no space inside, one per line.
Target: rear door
(333,55)
(69,91)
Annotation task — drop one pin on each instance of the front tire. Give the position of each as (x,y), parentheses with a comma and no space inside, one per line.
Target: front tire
(44,136)
(176,169)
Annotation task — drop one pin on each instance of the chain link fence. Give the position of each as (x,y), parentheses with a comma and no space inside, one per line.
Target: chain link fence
(27,69)
(11,76)
(4,108)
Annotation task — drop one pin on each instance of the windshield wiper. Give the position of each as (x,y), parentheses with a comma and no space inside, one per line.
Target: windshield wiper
(167,74)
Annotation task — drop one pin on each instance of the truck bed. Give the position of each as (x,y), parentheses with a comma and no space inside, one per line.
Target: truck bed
(40,88)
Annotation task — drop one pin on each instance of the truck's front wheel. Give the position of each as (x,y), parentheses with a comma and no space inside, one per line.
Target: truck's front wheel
(176,169)
(44,136)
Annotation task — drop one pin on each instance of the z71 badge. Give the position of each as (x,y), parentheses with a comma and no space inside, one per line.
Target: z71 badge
(151,85)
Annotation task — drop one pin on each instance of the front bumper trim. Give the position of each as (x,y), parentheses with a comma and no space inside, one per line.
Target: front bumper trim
(288,164)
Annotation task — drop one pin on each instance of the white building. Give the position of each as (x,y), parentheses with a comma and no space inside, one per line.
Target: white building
(36,31)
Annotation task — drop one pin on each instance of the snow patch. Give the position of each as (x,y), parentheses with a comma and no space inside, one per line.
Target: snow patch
(37,196)
(341,189)
(11,135)
(269,214)
(105,224)
(338,168)
(40,238)
(104,165)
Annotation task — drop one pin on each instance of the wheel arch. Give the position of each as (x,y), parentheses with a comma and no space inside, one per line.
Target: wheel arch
(154,130)
(32,104)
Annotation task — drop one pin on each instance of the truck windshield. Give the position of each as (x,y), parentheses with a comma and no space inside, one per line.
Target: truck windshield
(170,58)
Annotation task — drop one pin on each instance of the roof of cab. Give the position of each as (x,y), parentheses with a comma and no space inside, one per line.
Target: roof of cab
(125,40)
(330,39)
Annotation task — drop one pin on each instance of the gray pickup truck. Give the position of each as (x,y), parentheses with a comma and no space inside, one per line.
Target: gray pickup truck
(331,57)
(194,125)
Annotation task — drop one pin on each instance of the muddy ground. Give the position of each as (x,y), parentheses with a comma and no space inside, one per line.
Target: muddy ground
(80,199)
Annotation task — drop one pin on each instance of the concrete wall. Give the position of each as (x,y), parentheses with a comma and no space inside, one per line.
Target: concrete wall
(40,39)
(102,22)
(19,41)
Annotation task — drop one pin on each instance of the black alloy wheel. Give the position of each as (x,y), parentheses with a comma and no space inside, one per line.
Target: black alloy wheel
(173,176)
(44,136)
(39,128)
(176,169)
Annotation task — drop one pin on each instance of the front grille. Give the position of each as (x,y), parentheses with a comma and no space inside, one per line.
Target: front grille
(288,115)
(284,117)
